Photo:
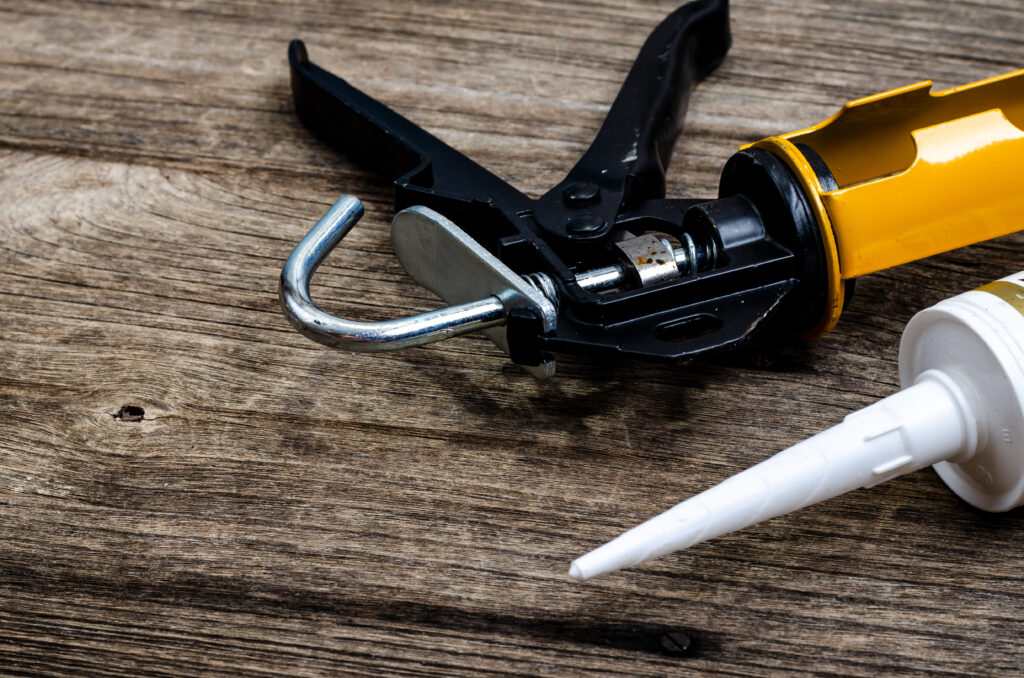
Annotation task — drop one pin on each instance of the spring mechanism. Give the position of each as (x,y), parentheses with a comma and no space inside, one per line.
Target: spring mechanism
(543,283)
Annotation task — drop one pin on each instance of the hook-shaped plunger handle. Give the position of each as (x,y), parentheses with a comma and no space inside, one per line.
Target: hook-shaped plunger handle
(367,337)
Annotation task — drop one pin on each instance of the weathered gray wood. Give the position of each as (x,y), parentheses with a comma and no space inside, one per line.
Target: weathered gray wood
(281,509)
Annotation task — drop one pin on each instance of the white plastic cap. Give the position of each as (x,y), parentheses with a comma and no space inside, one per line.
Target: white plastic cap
(977,338)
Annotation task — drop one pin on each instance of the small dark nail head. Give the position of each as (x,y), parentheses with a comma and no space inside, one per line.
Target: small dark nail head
(676,643)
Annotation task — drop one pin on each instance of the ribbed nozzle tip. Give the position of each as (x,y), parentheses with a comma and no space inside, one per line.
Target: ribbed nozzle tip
(591,565)
(576,572)
(626,550)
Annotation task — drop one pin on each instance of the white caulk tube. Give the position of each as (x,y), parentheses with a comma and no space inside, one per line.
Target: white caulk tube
(961,409)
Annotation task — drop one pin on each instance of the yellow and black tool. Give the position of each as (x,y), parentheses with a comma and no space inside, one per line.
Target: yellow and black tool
(603,262)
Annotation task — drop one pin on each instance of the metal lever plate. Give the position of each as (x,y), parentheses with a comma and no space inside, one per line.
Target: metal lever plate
(443,258)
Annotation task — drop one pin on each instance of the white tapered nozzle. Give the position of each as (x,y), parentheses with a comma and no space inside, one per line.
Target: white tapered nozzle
(920,426)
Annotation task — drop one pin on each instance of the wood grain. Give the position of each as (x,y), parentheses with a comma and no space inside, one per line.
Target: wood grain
(281,509)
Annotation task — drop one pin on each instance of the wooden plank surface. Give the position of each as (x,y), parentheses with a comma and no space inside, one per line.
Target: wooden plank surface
(188,487)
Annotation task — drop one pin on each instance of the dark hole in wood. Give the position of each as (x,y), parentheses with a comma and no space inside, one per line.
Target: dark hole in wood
(130,413)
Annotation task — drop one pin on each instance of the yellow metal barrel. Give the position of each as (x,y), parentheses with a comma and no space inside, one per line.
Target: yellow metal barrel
(918,173)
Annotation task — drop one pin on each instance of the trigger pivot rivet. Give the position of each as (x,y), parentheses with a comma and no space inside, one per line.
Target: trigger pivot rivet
(581,193)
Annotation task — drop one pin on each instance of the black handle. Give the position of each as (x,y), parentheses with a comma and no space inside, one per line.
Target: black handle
(380,139)
(626,162)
